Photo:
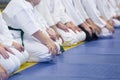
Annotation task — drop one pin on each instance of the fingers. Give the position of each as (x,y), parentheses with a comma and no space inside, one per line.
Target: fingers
(78,29)
(4,54)
(3,74)
(9,50)
(21,48)
(58,36)
(113,30)
(18,46)
(74,29)
(93,30)
(98,30)
(63,27)
(89,31)
(62,39)
(53,37)
(53,49)
(56,49)
(110,28)
(66,29)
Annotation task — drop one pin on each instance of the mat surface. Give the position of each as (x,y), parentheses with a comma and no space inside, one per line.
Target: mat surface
(96,60)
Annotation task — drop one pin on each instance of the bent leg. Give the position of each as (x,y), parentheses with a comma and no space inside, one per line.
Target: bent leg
(37,51)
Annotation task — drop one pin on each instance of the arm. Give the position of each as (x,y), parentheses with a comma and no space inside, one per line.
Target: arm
(96,27)
(62,26)
(3,51)
(46,41)
(72,26)
(54,27)
(29,25)
(7,38)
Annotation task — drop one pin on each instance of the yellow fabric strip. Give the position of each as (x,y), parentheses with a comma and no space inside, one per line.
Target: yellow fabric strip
(70,47)
(25,66)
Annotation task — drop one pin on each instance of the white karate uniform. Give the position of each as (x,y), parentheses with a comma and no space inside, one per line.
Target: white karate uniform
(73,12)
(117,5)
(21,14)
(107,11)
(78,5)
(53,12)
(14,61)
(114,4)
(47,18)
(92,11)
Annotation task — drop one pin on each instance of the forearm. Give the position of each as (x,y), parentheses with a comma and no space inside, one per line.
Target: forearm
(42,37)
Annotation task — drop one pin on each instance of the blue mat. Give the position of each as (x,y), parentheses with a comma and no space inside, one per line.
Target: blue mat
(96,60)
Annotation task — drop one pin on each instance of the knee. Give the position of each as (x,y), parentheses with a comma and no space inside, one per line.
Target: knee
(105,33)
(20,55)
(15,61)
(9,64)
(83,36)
(40,58)
(41,55)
